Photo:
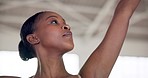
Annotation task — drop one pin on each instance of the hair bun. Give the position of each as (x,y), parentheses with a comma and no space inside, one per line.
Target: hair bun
(25,51)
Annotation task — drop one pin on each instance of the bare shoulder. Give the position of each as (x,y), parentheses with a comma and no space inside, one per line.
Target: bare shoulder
(9,77)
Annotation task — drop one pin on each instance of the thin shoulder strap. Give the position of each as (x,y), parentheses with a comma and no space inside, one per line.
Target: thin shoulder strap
(79,76)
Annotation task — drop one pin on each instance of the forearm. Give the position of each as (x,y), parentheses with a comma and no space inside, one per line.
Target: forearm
(126,8)
(103,58)
(111,45)
(117,30)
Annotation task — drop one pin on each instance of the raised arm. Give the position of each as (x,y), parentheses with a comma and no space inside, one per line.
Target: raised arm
(102,60)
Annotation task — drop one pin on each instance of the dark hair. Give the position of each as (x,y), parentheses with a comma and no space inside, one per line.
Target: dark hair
(26,51)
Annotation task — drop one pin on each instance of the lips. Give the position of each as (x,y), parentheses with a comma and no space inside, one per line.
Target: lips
(67,34)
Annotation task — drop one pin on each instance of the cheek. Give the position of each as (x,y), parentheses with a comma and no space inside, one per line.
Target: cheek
(50,38)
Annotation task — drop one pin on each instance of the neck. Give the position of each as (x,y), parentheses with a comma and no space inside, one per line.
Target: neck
(51,67)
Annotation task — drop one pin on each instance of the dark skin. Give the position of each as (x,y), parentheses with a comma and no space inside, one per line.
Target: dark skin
(52,38)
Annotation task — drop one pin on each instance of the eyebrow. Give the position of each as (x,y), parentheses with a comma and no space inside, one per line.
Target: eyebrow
(51,17)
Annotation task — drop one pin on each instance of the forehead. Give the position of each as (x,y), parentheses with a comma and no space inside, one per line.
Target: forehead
(48,14)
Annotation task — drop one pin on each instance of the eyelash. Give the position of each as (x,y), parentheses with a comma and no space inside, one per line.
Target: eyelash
(54,22)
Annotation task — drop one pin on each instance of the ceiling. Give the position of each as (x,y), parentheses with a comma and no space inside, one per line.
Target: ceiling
(88,19)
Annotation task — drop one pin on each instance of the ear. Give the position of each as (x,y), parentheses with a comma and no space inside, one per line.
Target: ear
(32,39)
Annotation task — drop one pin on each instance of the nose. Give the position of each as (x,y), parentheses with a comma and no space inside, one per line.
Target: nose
(66,27)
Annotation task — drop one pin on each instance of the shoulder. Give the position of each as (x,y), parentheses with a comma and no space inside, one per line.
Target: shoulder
(9,77)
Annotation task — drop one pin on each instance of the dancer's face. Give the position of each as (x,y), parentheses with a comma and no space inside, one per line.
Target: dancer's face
(53,32)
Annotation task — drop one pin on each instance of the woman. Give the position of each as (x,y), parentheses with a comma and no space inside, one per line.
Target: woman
(47,37)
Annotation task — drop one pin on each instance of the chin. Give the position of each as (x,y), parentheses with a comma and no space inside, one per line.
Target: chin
(68,48)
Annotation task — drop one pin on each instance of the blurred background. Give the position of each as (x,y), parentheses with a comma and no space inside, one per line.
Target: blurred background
(89,20)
